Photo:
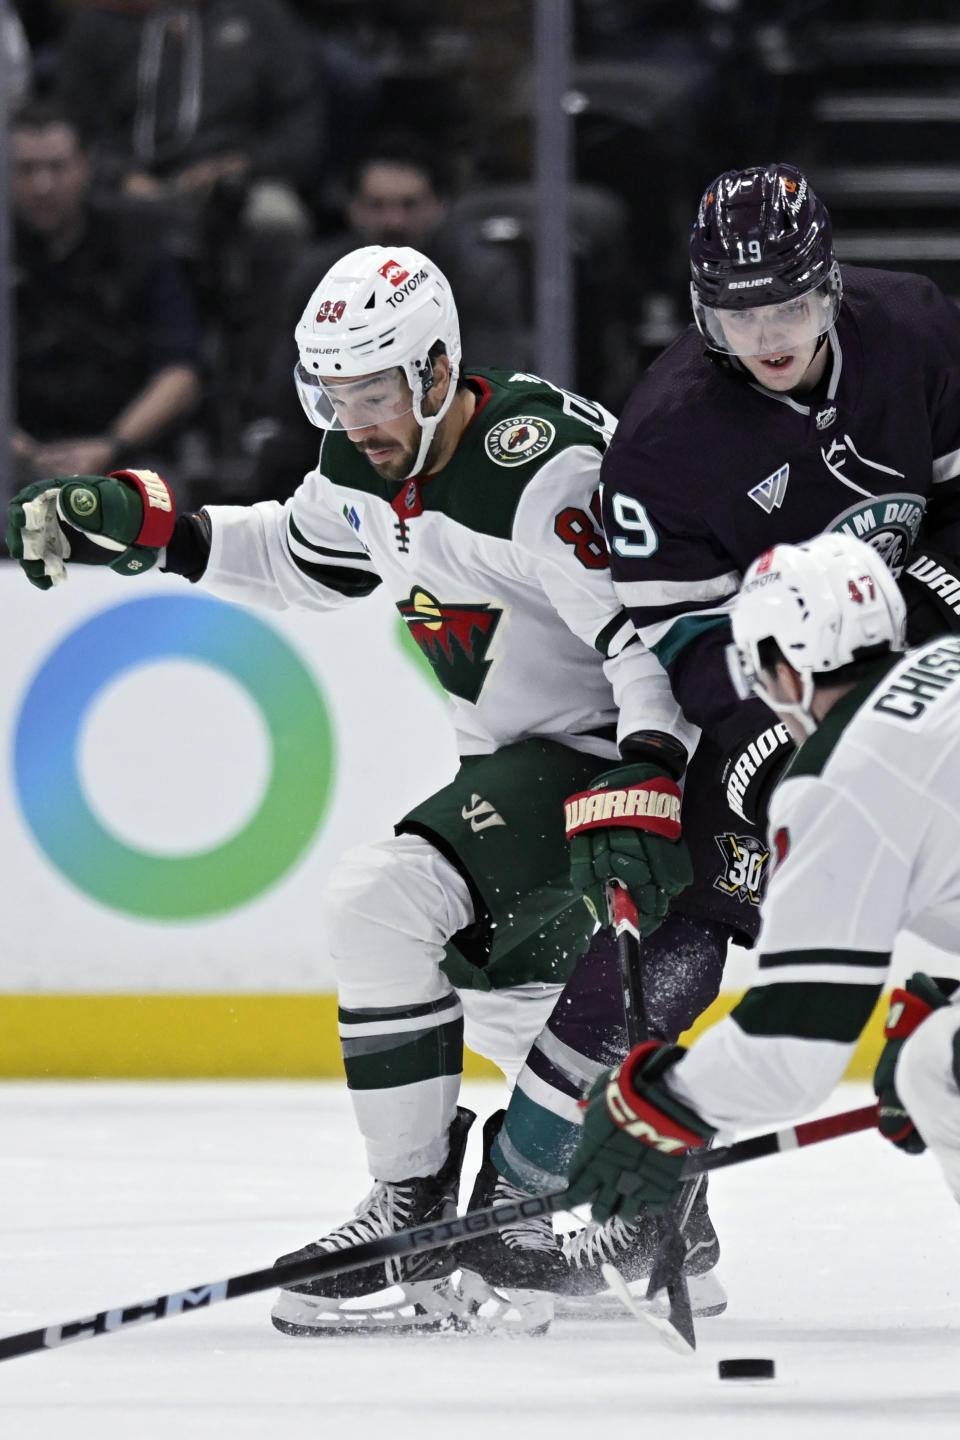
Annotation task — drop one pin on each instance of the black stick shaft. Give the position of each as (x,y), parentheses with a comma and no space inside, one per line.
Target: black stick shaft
(667,1273)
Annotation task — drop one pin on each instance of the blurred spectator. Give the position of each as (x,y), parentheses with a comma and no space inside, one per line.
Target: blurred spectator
(178,97)
(398,196)
(106,336)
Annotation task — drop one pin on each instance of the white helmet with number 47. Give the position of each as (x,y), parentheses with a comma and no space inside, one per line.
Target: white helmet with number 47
(826,604)
(368,339)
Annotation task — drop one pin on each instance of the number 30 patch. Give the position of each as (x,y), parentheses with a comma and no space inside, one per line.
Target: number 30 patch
(745,867)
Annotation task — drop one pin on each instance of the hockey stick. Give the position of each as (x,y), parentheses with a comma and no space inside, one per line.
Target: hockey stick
(403,1242)
(676,1326)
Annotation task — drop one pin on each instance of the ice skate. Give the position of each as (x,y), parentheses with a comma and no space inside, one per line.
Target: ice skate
(632,1249)
(410,1293)
(512,1273)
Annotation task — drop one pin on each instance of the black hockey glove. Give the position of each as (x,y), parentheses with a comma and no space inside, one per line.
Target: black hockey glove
(909,1007)
(931,588)
(635,1138)
(751,770)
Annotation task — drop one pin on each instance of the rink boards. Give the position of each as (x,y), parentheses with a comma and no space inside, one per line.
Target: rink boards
(181,777)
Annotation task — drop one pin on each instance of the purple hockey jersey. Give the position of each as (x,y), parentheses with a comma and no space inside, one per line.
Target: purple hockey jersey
(707,469)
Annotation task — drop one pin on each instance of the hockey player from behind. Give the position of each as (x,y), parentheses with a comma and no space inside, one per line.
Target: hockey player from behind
(472,499)
(866,822)
(810,397)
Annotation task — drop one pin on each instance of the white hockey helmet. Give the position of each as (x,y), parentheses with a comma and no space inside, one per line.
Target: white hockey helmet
(824,603)
(377,312)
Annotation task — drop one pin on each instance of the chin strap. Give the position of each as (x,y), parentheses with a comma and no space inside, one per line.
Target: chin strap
(428,423)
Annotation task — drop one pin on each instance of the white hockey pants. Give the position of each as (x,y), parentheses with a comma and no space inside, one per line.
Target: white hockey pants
(392,906)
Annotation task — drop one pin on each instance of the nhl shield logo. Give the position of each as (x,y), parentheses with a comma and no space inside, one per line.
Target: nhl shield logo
(519,439)
(826,417)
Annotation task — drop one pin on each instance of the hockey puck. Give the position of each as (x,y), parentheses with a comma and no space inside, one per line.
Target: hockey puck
(745,1369)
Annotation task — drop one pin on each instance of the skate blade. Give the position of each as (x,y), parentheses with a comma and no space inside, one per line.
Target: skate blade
(707,1298)
(653,1313)
(707,1295)
(427,1307)
(504,1312)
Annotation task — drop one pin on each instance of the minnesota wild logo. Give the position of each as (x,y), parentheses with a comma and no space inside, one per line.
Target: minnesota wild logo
(519,439)
(454,638)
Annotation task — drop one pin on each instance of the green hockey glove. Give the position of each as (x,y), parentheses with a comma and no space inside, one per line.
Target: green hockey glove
(129,516)
(909,1007)
(627,827)
(635,1138)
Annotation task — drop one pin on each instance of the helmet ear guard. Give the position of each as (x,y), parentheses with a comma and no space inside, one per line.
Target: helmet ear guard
(826,604)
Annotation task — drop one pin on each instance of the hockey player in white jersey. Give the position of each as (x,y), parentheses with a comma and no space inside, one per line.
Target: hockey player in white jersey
(472,500)
(865,830)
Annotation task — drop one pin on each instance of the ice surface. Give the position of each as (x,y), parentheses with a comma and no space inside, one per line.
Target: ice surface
(842,1262)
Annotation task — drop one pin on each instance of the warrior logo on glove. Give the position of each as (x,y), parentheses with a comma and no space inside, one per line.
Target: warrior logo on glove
(657,802)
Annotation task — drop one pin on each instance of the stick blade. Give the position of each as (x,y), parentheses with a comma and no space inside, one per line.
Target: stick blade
(675,1330)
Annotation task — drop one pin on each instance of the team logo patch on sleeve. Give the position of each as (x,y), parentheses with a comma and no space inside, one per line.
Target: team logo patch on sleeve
(744,867)
(519,439)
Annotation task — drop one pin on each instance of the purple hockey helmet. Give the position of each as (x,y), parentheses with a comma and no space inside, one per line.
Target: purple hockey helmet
(762,238)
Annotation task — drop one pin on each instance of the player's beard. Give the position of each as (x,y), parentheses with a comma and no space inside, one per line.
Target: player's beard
(397,466)
(400,463)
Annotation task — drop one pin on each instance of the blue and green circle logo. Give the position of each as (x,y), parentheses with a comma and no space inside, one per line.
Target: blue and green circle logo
(205,882)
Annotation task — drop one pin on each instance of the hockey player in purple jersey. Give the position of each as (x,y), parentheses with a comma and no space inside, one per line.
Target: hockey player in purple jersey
(809,397)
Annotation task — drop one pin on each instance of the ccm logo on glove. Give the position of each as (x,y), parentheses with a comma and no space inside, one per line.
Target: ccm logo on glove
(628,1120)
(633,1112)
(654,805)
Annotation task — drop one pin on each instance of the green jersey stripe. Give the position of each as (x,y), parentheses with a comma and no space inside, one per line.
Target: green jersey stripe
(610,632)
(876,959)
(807,1011)
(297,534)
(396,1012)
(338,577)
(438,1052)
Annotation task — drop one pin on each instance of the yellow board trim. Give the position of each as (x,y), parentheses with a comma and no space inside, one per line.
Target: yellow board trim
(180,1037)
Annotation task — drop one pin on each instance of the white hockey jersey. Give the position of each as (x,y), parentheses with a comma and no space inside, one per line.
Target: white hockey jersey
(496,563)
(865,832)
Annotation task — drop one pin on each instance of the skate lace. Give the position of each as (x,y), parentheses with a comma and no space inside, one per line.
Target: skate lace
(386,1208)
(535,1233)
(596,1244)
